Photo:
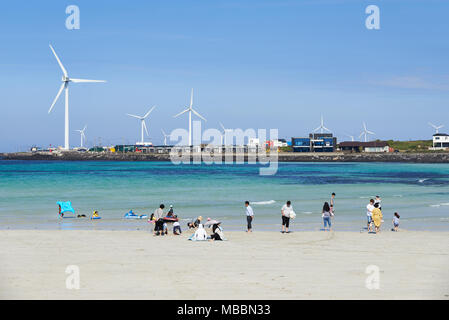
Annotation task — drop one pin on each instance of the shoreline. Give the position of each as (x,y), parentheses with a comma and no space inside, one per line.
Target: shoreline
(261,265)
(431,157)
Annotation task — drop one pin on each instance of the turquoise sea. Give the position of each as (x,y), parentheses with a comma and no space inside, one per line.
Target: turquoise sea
(29,191)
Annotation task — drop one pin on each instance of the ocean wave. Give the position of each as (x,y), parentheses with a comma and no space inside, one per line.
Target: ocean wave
(263,202)
(445,204)
(422,180)
(307,212)
(434,205)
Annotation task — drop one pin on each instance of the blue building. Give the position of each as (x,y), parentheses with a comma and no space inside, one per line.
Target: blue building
(316,142)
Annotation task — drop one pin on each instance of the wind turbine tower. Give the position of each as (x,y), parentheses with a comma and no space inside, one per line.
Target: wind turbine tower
(143,126)
(65,86)
(190,110)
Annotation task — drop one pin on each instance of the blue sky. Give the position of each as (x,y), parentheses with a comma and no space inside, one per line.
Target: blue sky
(253,64)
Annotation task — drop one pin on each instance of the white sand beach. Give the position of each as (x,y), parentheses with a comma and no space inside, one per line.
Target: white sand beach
(261,265)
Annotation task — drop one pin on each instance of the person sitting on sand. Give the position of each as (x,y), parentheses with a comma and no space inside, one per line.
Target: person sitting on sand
(196,223)
(200,233)
(285,211)
(377,217)
(217,233)
(396,221)
(170,213)
(326,216)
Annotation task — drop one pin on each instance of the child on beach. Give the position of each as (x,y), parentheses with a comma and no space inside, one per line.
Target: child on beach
(395,222)
(369,214)
(327,216)
(177,228)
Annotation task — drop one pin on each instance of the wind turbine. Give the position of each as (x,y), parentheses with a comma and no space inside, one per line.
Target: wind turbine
(365,132)
(352,137)
(223,135)
(190,110)
(436,127)
(142,123)
(165,136)
(83,136)
(65,85)
(322,127)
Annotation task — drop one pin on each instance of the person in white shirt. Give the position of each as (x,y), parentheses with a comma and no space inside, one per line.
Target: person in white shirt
(285,211)
(249,216)
(177,228)
(369,214)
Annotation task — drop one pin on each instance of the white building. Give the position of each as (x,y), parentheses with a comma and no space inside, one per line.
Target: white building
(440,141)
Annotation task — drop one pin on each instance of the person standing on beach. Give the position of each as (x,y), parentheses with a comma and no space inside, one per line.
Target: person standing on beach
(285,211)
(369,214)
(395,222)
(159,223)
(249,216)
(379,201)
(327,213)
(332,202)
(377,217)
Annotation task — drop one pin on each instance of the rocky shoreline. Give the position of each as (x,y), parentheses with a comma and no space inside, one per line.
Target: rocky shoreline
(435,157)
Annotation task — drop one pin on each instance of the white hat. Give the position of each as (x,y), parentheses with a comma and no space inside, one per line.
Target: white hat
(171,206)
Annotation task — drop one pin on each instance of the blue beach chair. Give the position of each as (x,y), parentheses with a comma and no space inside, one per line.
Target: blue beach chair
(65,207)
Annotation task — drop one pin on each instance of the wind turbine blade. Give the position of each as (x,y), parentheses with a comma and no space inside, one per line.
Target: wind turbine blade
(145,127)
(59,61)
(181,113)
(222,126)
(85,80)
(148,113)
(326,129)
(57,96)
(364,126)
(317,129)
(191,98)
(432,125)
(361,134)
(163,132)
(132,115)
(85,127)
(200,116)
(369,132)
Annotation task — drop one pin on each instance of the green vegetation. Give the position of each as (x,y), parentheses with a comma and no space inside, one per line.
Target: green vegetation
(286,149)
(411,146)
